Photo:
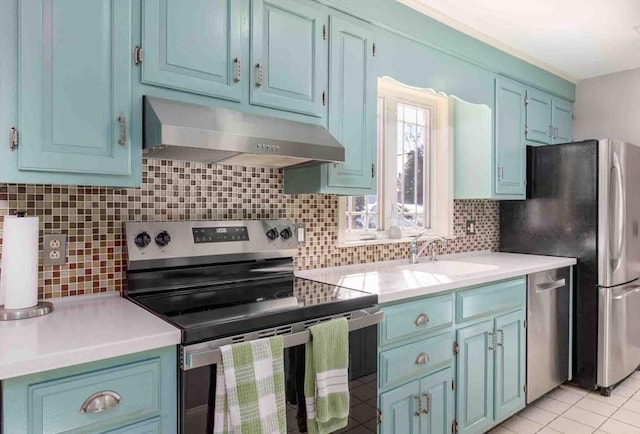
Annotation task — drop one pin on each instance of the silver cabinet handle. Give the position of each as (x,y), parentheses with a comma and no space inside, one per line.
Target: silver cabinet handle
(499,177)
(422,319)
(422,359)
(555,133)
(492,344)
(100,401)
(427,409)
(123,130)
(238,69)
(501,342)
(540,287)
(260,73)
(550,130)
(419,403)
(501,172)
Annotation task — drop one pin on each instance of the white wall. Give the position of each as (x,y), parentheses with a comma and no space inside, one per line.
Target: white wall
(608,107)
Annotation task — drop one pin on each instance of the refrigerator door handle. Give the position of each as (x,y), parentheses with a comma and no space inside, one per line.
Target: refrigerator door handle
(542,287)
(616,239)
(626,292)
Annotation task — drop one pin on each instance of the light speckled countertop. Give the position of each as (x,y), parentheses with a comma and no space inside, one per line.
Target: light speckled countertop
(81,329)
(398,280)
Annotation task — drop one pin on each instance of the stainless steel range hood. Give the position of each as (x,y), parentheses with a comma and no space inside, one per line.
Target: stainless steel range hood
(180,131)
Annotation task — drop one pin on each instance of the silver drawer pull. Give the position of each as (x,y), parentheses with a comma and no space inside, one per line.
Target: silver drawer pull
(551,285)
(422,319)
(423,359)
(100,401)
(123,130)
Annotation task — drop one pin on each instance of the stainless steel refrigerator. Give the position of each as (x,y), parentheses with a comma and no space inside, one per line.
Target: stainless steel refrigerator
(583,201)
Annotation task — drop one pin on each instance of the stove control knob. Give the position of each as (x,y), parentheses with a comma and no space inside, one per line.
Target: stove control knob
(142,240)
(285,233)
(272,234)
(163,238)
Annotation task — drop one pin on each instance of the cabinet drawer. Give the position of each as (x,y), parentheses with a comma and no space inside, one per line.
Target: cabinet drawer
(409,319)
(56,405)
(151,426)
(483,301)
(414,360)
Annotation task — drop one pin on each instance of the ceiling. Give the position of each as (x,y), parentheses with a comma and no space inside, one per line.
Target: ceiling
(575,39)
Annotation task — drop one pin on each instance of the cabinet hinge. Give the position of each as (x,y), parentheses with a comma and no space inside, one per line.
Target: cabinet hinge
(525,323)
(453,384)
(524,388)
(14,138)
(138,55)
(324,97)
(373,170)
(526,129)
(456,348)
(324,32)
(379,418)
(454,427)
(526,101)
(374,49)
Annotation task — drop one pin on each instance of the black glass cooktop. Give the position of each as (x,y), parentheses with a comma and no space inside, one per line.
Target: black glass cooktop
(209,312)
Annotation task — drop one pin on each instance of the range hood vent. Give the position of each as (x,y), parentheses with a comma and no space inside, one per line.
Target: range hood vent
(190,132)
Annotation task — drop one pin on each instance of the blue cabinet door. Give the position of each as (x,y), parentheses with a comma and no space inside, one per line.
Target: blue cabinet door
(510,156)
(539,125)
(510,364)
(289,56)
(195,46)
(74,86)
(562,113)
(352,103)
(400,410)
(439,410)
(475,378)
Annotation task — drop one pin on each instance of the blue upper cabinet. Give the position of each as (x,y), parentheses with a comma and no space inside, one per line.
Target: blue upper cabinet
(539,127)
(196,48)
(510,155)
(352,115)
(288,67)
(562,120)
(352,104)
(74,87)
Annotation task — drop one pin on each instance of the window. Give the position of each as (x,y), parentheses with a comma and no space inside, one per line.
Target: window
(414,173)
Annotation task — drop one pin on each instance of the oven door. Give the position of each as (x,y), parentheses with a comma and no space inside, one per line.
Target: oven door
(198,384)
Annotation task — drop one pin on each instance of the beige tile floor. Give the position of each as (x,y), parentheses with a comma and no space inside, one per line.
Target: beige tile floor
(572,410)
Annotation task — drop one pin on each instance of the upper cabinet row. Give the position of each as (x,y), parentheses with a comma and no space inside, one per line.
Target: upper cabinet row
(496,169)
(72,121)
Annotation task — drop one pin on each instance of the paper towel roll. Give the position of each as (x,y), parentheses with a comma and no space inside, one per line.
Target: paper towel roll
(19,265)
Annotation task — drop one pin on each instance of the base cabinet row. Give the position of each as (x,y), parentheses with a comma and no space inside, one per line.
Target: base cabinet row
(484,381)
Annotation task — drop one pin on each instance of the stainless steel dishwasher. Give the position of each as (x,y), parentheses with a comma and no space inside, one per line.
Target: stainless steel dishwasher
(548,331)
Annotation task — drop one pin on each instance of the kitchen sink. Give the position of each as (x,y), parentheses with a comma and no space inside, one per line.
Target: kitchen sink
(448,268)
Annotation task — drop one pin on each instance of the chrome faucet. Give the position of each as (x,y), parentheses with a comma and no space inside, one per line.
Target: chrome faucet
(431,241)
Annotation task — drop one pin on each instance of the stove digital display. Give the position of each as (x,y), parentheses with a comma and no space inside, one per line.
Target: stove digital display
(220,234)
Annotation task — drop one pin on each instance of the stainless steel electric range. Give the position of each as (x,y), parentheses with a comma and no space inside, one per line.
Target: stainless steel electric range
(222,282)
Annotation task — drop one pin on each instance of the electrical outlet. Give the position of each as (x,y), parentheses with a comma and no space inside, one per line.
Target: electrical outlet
(471,227)
(301,234)
(54,249)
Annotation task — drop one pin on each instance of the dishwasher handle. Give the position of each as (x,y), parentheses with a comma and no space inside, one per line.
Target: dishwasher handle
(548,286)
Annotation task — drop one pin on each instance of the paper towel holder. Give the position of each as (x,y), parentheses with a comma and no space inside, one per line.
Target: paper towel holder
(42,308)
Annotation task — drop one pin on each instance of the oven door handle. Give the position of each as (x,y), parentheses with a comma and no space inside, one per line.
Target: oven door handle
(197,358)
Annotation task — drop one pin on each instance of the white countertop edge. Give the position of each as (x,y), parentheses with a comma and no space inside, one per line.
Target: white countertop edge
(88,355)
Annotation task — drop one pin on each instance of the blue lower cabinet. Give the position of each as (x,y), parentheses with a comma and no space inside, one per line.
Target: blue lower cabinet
(400,409)
(139,392)
(475,378)
(439,406)
(510,364)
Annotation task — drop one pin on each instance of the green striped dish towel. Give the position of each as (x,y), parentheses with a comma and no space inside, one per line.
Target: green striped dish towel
(250,388)
(326,379)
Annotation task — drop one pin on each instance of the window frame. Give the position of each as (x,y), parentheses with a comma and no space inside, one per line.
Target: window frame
(439,164)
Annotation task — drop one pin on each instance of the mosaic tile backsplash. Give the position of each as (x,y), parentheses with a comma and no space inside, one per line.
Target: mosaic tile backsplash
(93,219)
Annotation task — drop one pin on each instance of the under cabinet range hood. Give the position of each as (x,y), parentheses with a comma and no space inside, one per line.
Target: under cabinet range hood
(175,130)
